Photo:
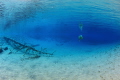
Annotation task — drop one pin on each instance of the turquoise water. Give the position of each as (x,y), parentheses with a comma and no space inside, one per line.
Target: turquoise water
(55,27)
(61,19)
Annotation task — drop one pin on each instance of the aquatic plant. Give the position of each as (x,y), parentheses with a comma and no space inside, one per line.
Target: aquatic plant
(80,37)
(27,50)
(81,26)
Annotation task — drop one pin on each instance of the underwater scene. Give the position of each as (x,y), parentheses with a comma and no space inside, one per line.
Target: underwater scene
(59,40)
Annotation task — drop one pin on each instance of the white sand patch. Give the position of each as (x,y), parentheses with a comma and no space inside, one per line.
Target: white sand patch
(68,63)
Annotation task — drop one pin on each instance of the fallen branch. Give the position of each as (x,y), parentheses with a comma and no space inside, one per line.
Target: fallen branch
(27,49)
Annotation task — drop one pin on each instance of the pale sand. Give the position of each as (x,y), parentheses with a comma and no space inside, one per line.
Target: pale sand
(72,64)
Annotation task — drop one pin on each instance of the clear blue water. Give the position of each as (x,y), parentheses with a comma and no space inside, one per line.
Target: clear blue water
(55,25)
(60,20)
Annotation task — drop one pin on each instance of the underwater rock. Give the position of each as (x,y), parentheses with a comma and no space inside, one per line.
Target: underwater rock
(6,48)
(1,50)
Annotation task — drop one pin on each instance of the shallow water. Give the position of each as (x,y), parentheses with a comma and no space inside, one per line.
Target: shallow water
(32,30)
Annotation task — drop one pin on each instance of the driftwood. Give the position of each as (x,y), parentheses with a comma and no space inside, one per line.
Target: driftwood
(27,50)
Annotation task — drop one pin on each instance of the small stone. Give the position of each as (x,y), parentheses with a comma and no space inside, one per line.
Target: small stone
(6,48)
(1,50)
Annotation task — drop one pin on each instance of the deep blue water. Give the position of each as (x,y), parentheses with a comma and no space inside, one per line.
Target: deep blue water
(59,20)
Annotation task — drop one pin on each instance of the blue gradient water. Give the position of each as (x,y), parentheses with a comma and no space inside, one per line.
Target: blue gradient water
(54,24)
(60,20)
